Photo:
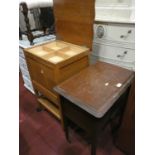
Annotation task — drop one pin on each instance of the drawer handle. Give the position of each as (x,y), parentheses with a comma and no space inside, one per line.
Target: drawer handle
(123,55)
(125,36)
(42,71)
(100,31)
(122,36)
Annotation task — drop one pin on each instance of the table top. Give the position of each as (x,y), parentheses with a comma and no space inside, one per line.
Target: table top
(96,88)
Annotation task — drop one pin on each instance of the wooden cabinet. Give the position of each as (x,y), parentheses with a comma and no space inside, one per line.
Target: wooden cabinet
(23,44)
(125,139)
(52,63)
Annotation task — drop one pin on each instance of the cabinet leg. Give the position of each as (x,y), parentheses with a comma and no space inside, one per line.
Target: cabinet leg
(66,129)
(39,108)
(93,143)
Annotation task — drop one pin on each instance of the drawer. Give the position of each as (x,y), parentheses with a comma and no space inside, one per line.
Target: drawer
(114,53)
(25,73)
(28,84)
(116,33)
(22,63)
(41,74)
(50,94)
(69,70)
(21,53)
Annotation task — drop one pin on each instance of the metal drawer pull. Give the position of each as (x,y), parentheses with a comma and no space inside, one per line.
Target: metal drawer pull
(125,36)
(100,31)
(123,55)
(42,72)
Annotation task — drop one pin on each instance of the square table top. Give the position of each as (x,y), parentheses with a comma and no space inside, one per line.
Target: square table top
(96,88)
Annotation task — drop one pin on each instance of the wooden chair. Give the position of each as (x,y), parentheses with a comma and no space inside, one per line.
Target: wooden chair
(46,19)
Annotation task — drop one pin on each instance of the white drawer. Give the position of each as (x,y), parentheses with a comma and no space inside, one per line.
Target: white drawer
(21,53)
(28,84)
(116,33)
(127,65)
(25,73)
(114,53)
(22,63)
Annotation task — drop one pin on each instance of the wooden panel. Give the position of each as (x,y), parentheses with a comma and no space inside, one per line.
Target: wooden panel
(96,87)
(56,53)
(69,70)
(49,77)
(36,71)
(52,96)
(126,134)
(74,21)
(50,107)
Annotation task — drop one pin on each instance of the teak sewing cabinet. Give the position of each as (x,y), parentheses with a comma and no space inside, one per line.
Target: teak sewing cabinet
(51,63)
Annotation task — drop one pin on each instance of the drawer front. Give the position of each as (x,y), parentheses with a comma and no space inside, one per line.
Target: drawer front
(21,53)
(25,73)
(48,77)
(36,71)
(118,33)
(41,74)
(73,68)
(22,63)
(51,95)
(28,84)
(114,53)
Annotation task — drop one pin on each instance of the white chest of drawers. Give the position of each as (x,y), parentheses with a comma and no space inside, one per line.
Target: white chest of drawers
(114,43)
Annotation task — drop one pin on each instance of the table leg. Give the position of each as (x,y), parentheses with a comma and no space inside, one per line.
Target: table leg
(93,143)
(66,129)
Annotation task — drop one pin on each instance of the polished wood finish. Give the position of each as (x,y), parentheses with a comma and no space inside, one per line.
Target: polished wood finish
(95,88)
(47,72)
(92,125)
(55,62)
(50,107)
(125,138)
(86,95)
(74,21)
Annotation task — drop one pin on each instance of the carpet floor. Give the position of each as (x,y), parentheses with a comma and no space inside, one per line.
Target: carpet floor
(41,133)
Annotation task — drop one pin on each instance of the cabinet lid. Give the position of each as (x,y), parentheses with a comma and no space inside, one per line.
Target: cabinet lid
(74,21)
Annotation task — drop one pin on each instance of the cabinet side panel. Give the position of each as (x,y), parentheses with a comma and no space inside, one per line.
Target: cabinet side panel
(73,68)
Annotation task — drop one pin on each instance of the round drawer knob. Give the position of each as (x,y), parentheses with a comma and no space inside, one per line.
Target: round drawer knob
(125,52)
(100,31)
(42,71)
(122,36)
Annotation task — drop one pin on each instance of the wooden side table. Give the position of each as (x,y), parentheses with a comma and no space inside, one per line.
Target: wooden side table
(91,97)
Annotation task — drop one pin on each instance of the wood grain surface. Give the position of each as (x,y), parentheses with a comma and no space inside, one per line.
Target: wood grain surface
(74,21)
(97,87)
